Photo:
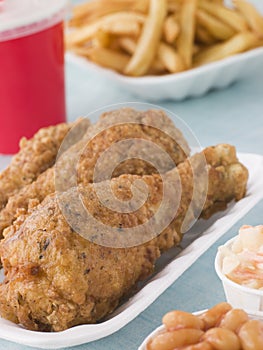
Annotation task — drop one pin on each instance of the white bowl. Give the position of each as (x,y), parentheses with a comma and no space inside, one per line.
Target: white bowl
(237,295)
(154,333)
(160,329)
(178,86)
(191,83)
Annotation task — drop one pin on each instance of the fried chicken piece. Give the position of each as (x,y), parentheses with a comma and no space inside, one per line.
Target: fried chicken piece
(224,157)
(166,147)
(55,278)
(35,156)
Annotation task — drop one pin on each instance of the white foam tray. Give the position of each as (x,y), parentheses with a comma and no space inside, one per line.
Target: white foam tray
(169,267)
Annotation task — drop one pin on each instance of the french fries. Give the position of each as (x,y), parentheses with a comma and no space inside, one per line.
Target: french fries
(171,29)
(254,19)
(148,42)
(203,36)
(232,18)
(124,23)
(185,40)
(238,43)
(170,58)
(167,57)
(93,10)
(218,29)
(129,46)
(153,37)
(109,58)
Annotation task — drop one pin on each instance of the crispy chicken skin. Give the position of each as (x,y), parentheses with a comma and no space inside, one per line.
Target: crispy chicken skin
(34,157)
(125,124)
(55,278)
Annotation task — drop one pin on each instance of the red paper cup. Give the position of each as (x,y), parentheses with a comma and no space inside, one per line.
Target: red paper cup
(32,89)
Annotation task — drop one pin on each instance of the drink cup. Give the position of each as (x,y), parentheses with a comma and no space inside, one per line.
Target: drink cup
(32,89)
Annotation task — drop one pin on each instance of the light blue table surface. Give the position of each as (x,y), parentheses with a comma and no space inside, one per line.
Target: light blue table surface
(233,115)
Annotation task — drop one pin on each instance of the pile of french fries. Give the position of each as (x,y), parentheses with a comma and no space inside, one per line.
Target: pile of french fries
(154,37)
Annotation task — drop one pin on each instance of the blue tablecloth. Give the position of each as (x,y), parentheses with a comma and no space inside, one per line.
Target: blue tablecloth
(233,115)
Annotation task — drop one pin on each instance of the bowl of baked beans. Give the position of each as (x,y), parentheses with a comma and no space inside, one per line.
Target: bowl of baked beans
(221,327)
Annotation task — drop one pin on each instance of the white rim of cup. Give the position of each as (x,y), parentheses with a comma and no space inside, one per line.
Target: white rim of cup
(225,279)
(36,23)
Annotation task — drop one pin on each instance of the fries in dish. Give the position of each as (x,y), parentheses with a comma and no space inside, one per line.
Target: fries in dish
(152,37)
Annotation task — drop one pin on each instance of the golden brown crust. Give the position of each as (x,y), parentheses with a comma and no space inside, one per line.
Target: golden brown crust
(34,157)
(28,179)
(124,124)
(230,178)
(128,134)
(56,279)
(27,198)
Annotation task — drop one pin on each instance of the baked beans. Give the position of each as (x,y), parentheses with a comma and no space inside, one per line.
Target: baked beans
(219,328)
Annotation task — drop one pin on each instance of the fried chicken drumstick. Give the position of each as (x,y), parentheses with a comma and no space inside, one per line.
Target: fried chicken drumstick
(125,124)
(35,156)
(55,278)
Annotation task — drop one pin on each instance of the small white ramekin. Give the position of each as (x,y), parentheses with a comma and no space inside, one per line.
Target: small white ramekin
(253,315)
(159,330)
(237,295)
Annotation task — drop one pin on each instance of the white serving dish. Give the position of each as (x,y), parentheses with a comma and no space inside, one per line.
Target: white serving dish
(143,346)
(191,83)
(152,335)
(158,330)
(237,295)
(168,269)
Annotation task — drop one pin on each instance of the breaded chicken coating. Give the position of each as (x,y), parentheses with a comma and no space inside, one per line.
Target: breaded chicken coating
(56,278)
(35,156)
(142,143)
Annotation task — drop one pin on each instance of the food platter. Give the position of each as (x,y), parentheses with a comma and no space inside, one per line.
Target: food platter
(168,269)
(54,277)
